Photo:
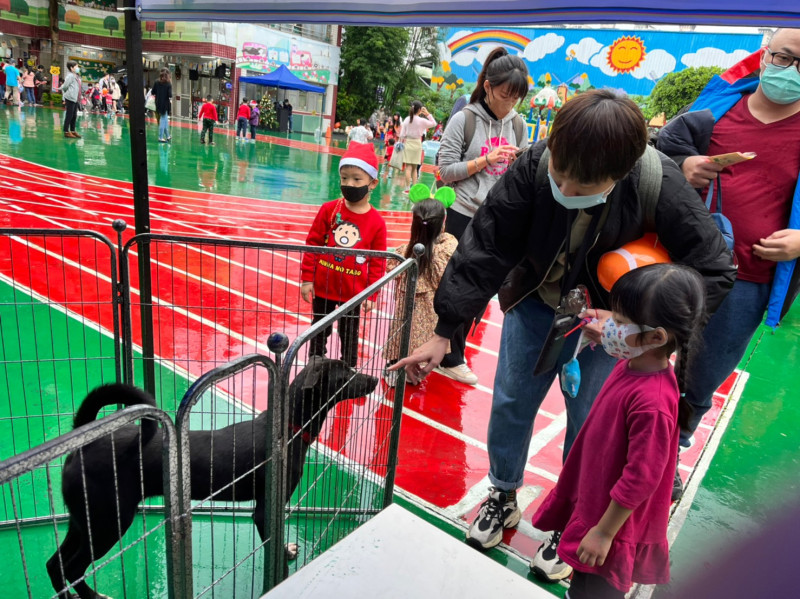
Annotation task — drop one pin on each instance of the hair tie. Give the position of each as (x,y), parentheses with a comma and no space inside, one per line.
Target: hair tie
(425,223)
(683,394)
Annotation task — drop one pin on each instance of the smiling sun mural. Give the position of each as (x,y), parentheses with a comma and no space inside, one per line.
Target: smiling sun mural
(626,54)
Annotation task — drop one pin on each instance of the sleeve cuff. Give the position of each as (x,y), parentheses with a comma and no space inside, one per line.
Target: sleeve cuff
(445,328)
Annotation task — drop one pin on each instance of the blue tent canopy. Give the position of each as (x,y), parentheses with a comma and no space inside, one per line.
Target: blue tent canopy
(479,12)
(283,78)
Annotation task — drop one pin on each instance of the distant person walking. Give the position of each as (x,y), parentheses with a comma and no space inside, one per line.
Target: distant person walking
(242,118)
(162,91)
(208,115)
(415,125)
(12,82)
(289,110)
(255,117)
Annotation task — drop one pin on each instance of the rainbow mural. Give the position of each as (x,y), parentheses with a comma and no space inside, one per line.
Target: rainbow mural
(509,39)
(629,61)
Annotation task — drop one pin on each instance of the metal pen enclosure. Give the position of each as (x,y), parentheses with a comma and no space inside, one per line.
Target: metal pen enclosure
(348,474)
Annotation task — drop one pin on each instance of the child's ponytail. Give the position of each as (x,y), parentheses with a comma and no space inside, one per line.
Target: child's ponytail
(685,409)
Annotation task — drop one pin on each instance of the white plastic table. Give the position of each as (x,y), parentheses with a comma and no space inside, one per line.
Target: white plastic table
(397,555)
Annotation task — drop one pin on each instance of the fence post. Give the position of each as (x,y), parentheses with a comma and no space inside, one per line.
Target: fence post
(412,275)
(122,314)
(275,556)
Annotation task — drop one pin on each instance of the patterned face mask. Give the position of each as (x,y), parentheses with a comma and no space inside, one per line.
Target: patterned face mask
(615,336)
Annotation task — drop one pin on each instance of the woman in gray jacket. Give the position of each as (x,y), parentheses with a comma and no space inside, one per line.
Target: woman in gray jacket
(71,89)
(479,144)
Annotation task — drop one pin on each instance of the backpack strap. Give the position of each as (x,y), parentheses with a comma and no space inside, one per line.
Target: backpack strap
(519,128)
(541,168)
(650,174)
(469,130)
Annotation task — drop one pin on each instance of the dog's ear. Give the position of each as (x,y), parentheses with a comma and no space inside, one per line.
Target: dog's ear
(314,372)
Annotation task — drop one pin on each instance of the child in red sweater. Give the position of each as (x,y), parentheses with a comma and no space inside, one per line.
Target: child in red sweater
(242,120)
(612,499)
(208,115)
(329,280)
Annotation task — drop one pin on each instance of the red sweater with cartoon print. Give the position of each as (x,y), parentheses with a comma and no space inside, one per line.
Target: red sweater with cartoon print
(338,277)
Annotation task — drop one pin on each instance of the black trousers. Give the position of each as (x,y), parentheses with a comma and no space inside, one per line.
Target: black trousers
(592,586)
(70,116)
(208,125)
(348,331)
(456,224)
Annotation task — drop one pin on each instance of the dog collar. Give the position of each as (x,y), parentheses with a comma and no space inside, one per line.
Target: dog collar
(305,435)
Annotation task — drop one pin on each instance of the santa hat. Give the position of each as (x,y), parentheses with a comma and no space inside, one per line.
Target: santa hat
(363,156)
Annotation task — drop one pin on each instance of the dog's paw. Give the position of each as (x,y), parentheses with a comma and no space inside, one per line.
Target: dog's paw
(291,551)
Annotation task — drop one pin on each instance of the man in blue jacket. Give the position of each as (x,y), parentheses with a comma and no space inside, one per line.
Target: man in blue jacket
(737,113)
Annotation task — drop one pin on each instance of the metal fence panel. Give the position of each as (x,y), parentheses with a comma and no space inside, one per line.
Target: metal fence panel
(59,335)
(146,562)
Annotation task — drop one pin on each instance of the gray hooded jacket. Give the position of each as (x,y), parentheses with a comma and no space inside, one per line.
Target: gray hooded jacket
(489,134)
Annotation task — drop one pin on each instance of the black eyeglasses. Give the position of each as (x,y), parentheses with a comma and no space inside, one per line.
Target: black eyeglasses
(783,60)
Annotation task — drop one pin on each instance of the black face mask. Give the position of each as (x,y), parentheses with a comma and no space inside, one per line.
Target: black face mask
(354,194)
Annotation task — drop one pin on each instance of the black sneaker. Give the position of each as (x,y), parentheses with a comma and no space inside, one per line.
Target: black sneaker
(546,564)
(677,486)
(496,513)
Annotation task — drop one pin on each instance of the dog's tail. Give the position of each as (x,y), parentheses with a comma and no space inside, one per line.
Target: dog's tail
(115,394)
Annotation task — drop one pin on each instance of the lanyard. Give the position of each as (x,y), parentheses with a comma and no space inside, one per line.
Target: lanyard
(571,273)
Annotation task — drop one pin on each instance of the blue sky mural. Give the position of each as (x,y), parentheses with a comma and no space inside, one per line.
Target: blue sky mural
(629,60)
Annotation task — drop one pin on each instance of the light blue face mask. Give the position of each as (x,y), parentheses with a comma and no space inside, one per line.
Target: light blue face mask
(781,86)
(578,202)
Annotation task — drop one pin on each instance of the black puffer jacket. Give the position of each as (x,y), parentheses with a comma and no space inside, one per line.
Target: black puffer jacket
(519,231)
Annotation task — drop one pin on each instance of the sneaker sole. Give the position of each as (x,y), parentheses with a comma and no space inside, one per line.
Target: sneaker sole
(446,373)
(544,577)
(510,522)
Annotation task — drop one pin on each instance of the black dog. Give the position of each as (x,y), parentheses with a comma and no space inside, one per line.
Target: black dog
(92,495)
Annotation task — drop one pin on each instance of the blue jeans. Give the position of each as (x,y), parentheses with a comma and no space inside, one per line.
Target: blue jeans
(241,127)
(31,95)
(725,340)
(518,393)
(163,126)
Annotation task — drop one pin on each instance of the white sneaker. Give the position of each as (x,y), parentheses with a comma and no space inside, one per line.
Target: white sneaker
(460,373)
(546,564)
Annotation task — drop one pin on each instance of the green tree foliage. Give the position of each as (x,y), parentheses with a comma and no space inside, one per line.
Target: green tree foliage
(371,57)
(20,8)
(676,90)
(112,24)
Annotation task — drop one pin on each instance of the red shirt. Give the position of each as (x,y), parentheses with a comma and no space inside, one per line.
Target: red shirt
(208,111)
(244,112)
(625,451)
(340,278)
(757,194)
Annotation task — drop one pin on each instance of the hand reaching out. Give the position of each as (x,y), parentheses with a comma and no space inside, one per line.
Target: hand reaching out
(780,246)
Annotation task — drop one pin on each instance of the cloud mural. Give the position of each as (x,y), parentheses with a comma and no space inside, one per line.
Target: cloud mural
(629,60)
(655,65)
(584,50)
(713,57)
(542,46)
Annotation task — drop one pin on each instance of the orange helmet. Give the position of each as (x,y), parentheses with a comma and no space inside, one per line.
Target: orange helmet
(640,252)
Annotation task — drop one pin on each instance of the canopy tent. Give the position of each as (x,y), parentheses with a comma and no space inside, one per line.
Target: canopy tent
(479,12)
(283,78)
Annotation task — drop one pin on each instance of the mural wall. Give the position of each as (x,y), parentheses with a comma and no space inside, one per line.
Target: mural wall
(630,61)
(263,50)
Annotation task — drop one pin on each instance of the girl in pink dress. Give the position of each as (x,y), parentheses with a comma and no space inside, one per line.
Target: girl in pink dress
(612,498)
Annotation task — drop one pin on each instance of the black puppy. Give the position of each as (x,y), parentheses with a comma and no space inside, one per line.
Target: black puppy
(92,495)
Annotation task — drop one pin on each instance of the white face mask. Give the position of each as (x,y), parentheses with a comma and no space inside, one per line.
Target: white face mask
(614,339)
(578,202)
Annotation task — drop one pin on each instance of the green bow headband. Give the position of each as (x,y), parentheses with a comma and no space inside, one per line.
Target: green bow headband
(420,191)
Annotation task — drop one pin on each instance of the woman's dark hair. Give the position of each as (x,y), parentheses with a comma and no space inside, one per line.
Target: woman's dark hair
(427,219)
(670,296)
(500,68)
(416,106)
(71,64)
(597,135)
(165,76)
(244,100)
